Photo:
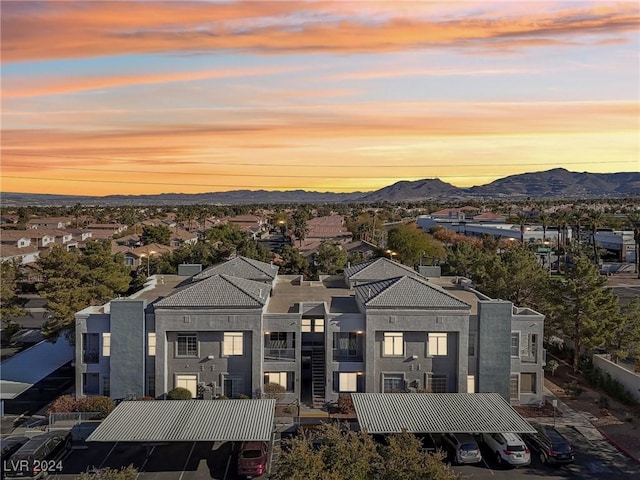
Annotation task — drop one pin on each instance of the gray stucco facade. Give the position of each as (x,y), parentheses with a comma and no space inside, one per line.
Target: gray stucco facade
(218,334)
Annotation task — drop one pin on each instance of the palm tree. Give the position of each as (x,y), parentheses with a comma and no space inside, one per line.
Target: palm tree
(576,218)
(562,221)
(634,220)
(522,220)
(544,221)
(300,228)
(595,218)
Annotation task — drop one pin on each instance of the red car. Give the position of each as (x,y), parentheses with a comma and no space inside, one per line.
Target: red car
(252,460)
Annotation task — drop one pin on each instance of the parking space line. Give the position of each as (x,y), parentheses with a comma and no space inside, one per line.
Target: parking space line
(226,470)
(187,461)
(145,461)
(487,465)
(108,454)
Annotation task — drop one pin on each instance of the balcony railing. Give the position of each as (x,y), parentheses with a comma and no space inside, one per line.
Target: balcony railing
(279,354)
(344,356)
(90,357)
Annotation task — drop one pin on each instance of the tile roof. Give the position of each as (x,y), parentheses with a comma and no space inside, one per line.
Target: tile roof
(241,267)
(223,291)
(379,269)
(407,292)
(188,420)
(437,413)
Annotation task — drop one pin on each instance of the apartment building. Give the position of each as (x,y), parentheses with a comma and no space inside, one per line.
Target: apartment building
(380,327)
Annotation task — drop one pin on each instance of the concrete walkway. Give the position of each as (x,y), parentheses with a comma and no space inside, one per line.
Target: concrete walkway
(581,422)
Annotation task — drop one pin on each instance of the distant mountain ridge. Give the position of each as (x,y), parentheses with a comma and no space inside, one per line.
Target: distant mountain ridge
(558,183)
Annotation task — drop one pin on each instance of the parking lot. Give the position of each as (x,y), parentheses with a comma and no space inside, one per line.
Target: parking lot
(169,461)
(215,460)
(595,460)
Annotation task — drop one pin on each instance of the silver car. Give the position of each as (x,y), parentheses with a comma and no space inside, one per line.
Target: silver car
(462,447)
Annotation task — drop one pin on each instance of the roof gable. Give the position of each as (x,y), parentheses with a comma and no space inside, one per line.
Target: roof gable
(220,291)
(407,292)
(241,267)
(379,269)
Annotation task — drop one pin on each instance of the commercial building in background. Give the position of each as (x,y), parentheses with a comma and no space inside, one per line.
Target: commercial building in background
(381,327)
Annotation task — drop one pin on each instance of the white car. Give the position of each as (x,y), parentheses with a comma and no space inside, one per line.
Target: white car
(508,448)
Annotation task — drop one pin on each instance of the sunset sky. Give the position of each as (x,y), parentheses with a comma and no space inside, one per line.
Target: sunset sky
(132,97)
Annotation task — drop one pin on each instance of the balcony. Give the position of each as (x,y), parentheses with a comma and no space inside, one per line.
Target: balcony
(279,354)
(347,355)
(90,356)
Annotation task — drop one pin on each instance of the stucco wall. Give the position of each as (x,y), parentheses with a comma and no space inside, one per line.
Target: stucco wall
(494,337)
(127,348)
(630,380)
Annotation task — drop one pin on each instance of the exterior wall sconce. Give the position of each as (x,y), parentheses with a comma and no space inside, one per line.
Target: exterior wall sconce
(414,357)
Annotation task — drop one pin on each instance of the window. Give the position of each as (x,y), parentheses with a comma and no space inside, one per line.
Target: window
(187,345)
(276,377)
(233,386)
(437,383)
(472,344)
(514,388)
(515,344)
(393,344)
(527,383)
(348,382)
(151,344)
(530,347)
(106,344)
(347,344)
(190,382)
(437,344)
(232,344)
(312,325)
(393,382)
(276,340)
(106,386)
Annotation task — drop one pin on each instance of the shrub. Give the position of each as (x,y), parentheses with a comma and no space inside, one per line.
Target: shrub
(603,401)
(65,403)
(144,399)
(573,389)
(243,396)
(552,366)
(101,404)
(345,405)
(179,393)
(221,397)
(273,390)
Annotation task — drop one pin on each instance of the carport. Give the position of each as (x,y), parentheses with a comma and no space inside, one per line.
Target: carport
(188,421)
(380,413)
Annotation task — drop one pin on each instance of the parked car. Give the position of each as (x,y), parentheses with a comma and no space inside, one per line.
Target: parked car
(508,448)
(462,448)
(550,445)
(8,446)
(252,460)
(40,456)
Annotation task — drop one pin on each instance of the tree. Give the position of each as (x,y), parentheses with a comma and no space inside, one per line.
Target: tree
(403,458)
(412,244)
(544,219)
(76,279)
(584,309)
(634,220)
(625,341)
(179,393)
(293,262)
(152,234)
(330,258)
(522,218)
(251,249)
(333,452)
(10,304)
(595,219)
(300,227)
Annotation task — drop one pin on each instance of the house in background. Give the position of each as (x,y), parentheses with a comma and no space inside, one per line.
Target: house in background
(380,327)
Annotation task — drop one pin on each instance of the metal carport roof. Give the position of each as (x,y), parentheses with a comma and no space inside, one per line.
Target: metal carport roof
(437,413)
(188,420)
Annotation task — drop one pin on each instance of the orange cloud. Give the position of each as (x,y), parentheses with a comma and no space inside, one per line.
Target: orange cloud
(71,29)
(21,87)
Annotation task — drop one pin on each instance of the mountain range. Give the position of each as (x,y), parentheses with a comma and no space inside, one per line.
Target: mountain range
(558,183)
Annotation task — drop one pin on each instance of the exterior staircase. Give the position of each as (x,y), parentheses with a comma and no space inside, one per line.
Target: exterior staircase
(318,377)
